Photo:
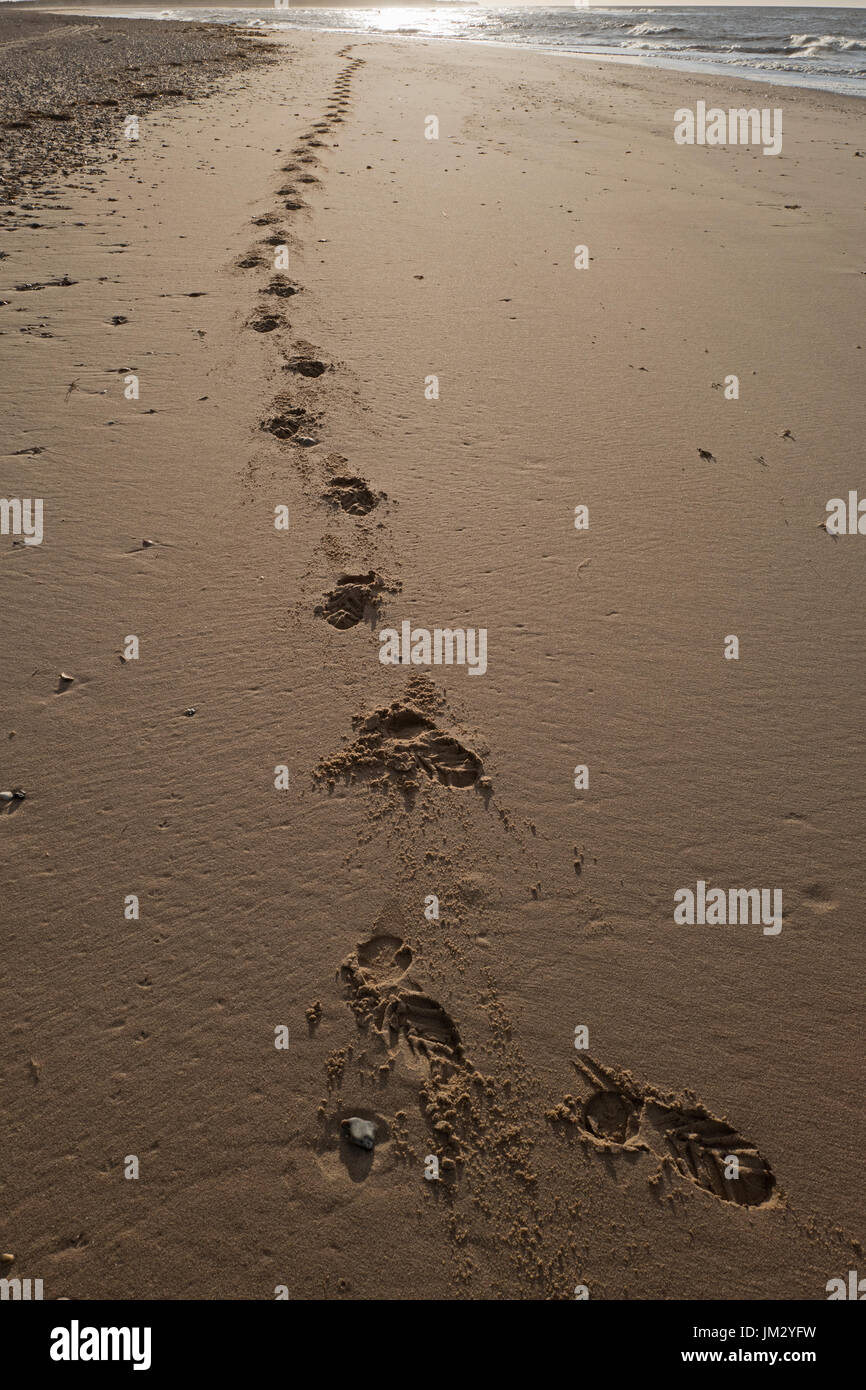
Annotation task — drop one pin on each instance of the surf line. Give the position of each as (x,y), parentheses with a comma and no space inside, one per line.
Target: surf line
(448,646)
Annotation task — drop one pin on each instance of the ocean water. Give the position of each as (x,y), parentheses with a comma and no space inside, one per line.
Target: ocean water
(812,47)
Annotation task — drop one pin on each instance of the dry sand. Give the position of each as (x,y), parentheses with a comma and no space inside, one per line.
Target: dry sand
(305,907)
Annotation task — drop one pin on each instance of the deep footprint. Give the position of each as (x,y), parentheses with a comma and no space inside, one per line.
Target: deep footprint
(352,495)
(282,287)
(290,424)
(618,1112)
(389,1004)
(384,998)
(356,598)
(402,740)
(266,323)
(306,366)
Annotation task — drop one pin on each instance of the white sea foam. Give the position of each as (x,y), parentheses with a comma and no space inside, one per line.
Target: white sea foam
(653,29)
(752,41)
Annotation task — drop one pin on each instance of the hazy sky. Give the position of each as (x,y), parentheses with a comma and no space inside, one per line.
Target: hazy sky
(705,4)
(604,4)
(663,4)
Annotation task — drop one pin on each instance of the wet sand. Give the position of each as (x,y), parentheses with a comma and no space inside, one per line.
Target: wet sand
(284,807)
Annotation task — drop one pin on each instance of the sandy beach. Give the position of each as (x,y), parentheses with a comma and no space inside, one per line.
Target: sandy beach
(288,373)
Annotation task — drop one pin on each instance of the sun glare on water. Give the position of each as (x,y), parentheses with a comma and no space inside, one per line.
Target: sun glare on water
(402,18)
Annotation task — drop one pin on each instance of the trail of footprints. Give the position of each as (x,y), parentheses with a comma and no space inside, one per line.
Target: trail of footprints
(389,1004)
(408,744)
(614,1112)
(356,597)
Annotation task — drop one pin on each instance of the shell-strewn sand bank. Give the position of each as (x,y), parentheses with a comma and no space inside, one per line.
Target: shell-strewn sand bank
(176,377)
(68,80)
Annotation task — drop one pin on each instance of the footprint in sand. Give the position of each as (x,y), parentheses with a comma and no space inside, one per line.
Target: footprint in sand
(290,423)
(616,1112)
(384,957)
(352,495)
(385,999)
(423,1044)
(356,598)
(401,740)
(266,323)
(306,366)
(282,287)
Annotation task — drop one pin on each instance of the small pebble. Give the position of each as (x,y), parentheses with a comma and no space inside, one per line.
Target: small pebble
(359,1132)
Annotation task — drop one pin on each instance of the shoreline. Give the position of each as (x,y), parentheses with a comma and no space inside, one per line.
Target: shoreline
(727,72)
(308,907)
